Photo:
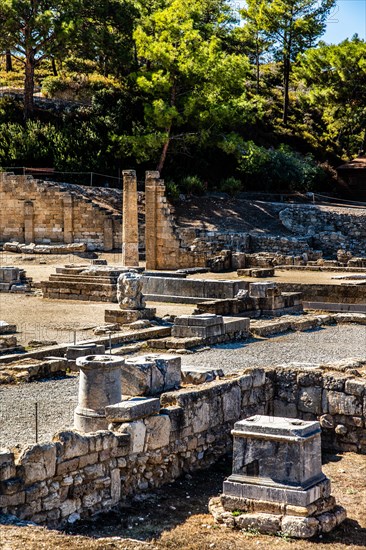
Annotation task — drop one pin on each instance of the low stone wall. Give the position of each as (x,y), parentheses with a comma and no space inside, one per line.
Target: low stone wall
(337,399)
(341,294)
(78,475)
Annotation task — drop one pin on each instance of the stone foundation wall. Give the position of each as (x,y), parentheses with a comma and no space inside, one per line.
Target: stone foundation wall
(78,475)
(45,213)
(329,230)
(337,399)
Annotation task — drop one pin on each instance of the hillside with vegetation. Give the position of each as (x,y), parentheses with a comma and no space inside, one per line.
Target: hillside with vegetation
(211,97)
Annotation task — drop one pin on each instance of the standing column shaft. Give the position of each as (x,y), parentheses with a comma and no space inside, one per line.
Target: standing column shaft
(151,184)
(130,238)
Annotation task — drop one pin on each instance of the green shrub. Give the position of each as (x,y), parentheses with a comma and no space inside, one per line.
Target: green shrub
(231,185)
(172,190)
(192,185)
(280,169)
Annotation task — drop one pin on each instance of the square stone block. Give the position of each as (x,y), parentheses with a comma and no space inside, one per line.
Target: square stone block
(235,487)
(151,374)
(261,290)
(203,320)
(283,451)
(134,409)
(181,331)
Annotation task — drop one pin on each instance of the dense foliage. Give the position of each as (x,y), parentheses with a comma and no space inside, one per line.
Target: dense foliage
(181,86)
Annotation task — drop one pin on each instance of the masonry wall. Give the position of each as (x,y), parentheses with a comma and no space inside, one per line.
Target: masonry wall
(46,212)
(78,475)
(75,474)
(329,230)
(165,248)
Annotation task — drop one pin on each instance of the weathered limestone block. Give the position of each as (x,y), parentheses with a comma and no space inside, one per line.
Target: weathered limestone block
(7,466)
(128,316)
(335,402)
(151,374)
(137,431)
(231,403)
(116,489)
(261,290)
(355,387)
(200,417)
(73,352)
(268,524)
(300,528)
(6,328)
(199,375)
(157,431)
(134,409)
(129,291)
(39,462)
(310,399)
(73,444)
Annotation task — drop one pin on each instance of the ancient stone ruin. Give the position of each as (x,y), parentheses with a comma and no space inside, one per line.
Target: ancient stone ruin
(277,484)
(185,368)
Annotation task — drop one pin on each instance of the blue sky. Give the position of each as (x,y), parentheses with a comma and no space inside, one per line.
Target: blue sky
(348,18)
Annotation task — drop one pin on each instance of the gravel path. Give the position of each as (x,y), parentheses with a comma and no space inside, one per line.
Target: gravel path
(324,345)
(57,398)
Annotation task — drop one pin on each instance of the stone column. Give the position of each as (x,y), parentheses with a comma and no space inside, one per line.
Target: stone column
(130,240)
(99,386)
(151,187)
(68,219)
(108,235)
(28,222)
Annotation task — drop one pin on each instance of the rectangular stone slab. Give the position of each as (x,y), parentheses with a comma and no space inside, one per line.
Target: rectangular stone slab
(134,409)
(203,320)
(286,495)
(275,426)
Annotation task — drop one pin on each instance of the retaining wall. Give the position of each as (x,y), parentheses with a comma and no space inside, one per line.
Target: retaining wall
(46,212)
(78,475)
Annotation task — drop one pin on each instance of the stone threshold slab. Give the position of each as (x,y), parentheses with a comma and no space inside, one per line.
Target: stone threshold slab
(59,351)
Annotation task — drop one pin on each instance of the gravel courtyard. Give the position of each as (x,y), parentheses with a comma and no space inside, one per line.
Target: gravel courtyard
(56,399)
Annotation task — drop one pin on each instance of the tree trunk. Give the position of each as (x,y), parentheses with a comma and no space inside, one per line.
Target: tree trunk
(54,68)
(164,152)
(286,86)
(257,65)
(168,131)
(29,85)
(8,63)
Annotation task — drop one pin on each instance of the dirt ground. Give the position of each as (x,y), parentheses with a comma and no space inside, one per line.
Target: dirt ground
(175,518)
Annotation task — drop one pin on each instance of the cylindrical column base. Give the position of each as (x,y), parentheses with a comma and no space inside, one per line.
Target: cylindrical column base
(99,386)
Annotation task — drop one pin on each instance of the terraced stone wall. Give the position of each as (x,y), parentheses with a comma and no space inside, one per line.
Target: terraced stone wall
(44,213)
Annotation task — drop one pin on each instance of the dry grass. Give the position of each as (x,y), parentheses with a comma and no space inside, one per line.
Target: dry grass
(175,518)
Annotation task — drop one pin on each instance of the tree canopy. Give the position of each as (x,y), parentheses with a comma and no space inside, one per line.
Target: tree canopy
(194,88)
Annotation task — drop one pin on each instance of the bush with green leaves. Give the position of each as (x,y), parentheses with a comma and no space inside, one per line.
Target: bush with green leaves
(274,169)
(231,185)
(172,190)
(192,185)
